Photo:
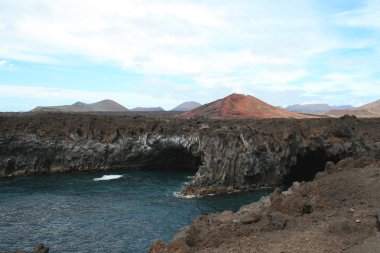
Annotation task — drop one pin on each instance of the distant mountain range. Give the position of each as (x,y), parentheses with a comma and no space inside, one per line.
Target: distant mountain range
(187,106)
(240,106)
(371,110)
(232,106)
(316,108)
(110,106)
(147,109)
(184,107)
(101,106)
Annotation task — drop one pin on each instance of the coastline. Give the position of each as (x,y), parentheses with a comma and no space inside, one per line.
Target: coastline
(336,212)
(224,155)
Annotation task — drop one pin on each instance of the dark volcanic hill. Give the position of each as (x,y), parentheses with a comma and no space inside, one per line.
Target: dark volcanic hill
(240,106)
(106,105)
(316,108)
(147,109)
(371,110)
(186,106)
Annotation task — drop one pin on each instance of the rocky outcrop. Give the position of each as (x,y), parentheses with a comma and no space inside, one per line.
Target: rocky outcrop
(337,211)
(226,155)
(270,152)
(47,143)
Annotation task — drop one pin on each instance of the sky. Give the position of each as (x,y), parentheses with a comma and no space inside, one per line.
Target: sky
(162,53)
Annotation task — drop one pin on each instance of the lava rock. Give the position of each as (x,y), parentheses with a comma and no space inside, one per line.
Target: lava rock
(229,155)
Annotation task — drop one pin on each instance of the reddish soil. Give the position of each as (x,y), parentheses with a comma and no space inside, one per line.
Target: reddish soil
(241,106)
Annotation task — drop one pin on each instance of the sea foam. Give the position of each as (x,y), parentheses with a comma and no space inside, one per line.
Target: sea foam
(179,195)
(107,177)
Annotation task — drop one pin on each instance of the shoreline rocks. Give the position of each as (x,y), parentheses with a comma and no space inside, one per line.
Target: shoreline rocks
(318,216)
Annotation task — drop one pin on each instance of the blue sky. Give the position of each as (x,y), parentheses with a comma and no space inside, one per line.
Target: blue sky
(162,53)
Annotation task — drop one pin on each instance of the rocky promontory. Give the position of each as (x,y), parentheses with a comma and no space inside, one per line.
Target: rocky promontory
(225,155)
(338,211)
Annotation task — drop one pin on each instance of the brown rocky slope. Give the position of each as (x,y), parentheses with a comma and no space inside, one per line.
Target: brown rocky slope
(338,211)
(241,106)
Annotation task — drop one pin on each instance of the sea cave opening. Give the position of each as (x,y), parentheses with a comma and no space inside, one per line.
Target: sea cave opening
(308,165)
(172,159)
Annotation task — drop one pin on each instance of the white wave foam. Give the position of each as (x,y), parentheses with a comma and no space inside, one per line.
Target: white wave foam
(108,177)
(179,195)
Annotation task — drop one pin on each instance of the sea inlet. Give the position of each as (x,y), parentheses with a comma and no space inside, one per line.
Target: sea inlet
(119,211)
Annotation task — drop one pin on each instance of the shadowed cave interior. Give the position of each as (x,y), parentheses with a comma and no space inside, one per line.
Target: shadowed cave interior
(308,165)
(172,159)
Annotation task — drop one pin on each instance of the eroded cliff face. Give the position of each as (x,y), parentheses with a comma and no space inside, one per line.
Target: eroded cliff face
(225,154)
(270,152)
(46,143)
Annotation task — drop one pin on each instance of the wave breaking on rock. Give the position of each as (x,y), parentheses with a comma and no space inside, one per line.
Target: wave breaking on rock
(108,177)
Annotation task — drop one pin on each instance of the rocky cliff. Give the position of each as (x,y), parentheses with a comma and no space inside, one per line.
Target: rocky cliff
(226,155)
(337,212)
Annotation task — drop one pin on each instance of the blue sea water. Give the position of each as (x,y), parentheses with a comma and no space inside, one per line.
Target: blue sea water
(75,213)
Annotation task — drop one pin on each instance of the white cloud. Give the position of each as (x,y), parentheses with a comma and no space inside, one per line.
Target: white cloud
(267,77)
(111,30)
(173,37)
(367,16)
(51,95)
(342,86)
(235,46)
(5,64)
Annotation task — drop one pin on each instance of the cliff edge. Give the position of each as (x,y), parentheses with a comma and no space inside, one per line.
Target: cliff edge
(337,212)
(224,155)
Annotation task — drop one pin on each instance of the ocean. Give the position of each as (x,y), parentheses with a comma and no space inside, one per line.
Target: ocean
(118,211)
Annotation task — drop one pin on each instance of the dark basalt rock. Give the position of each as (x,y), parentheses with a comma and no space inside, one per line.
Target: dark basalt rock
(225,154)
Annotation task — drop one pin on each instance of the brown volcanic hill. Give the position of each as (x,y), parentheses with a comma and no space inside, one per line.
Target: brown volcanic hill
(106,105)
(371,110)
(241,106)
